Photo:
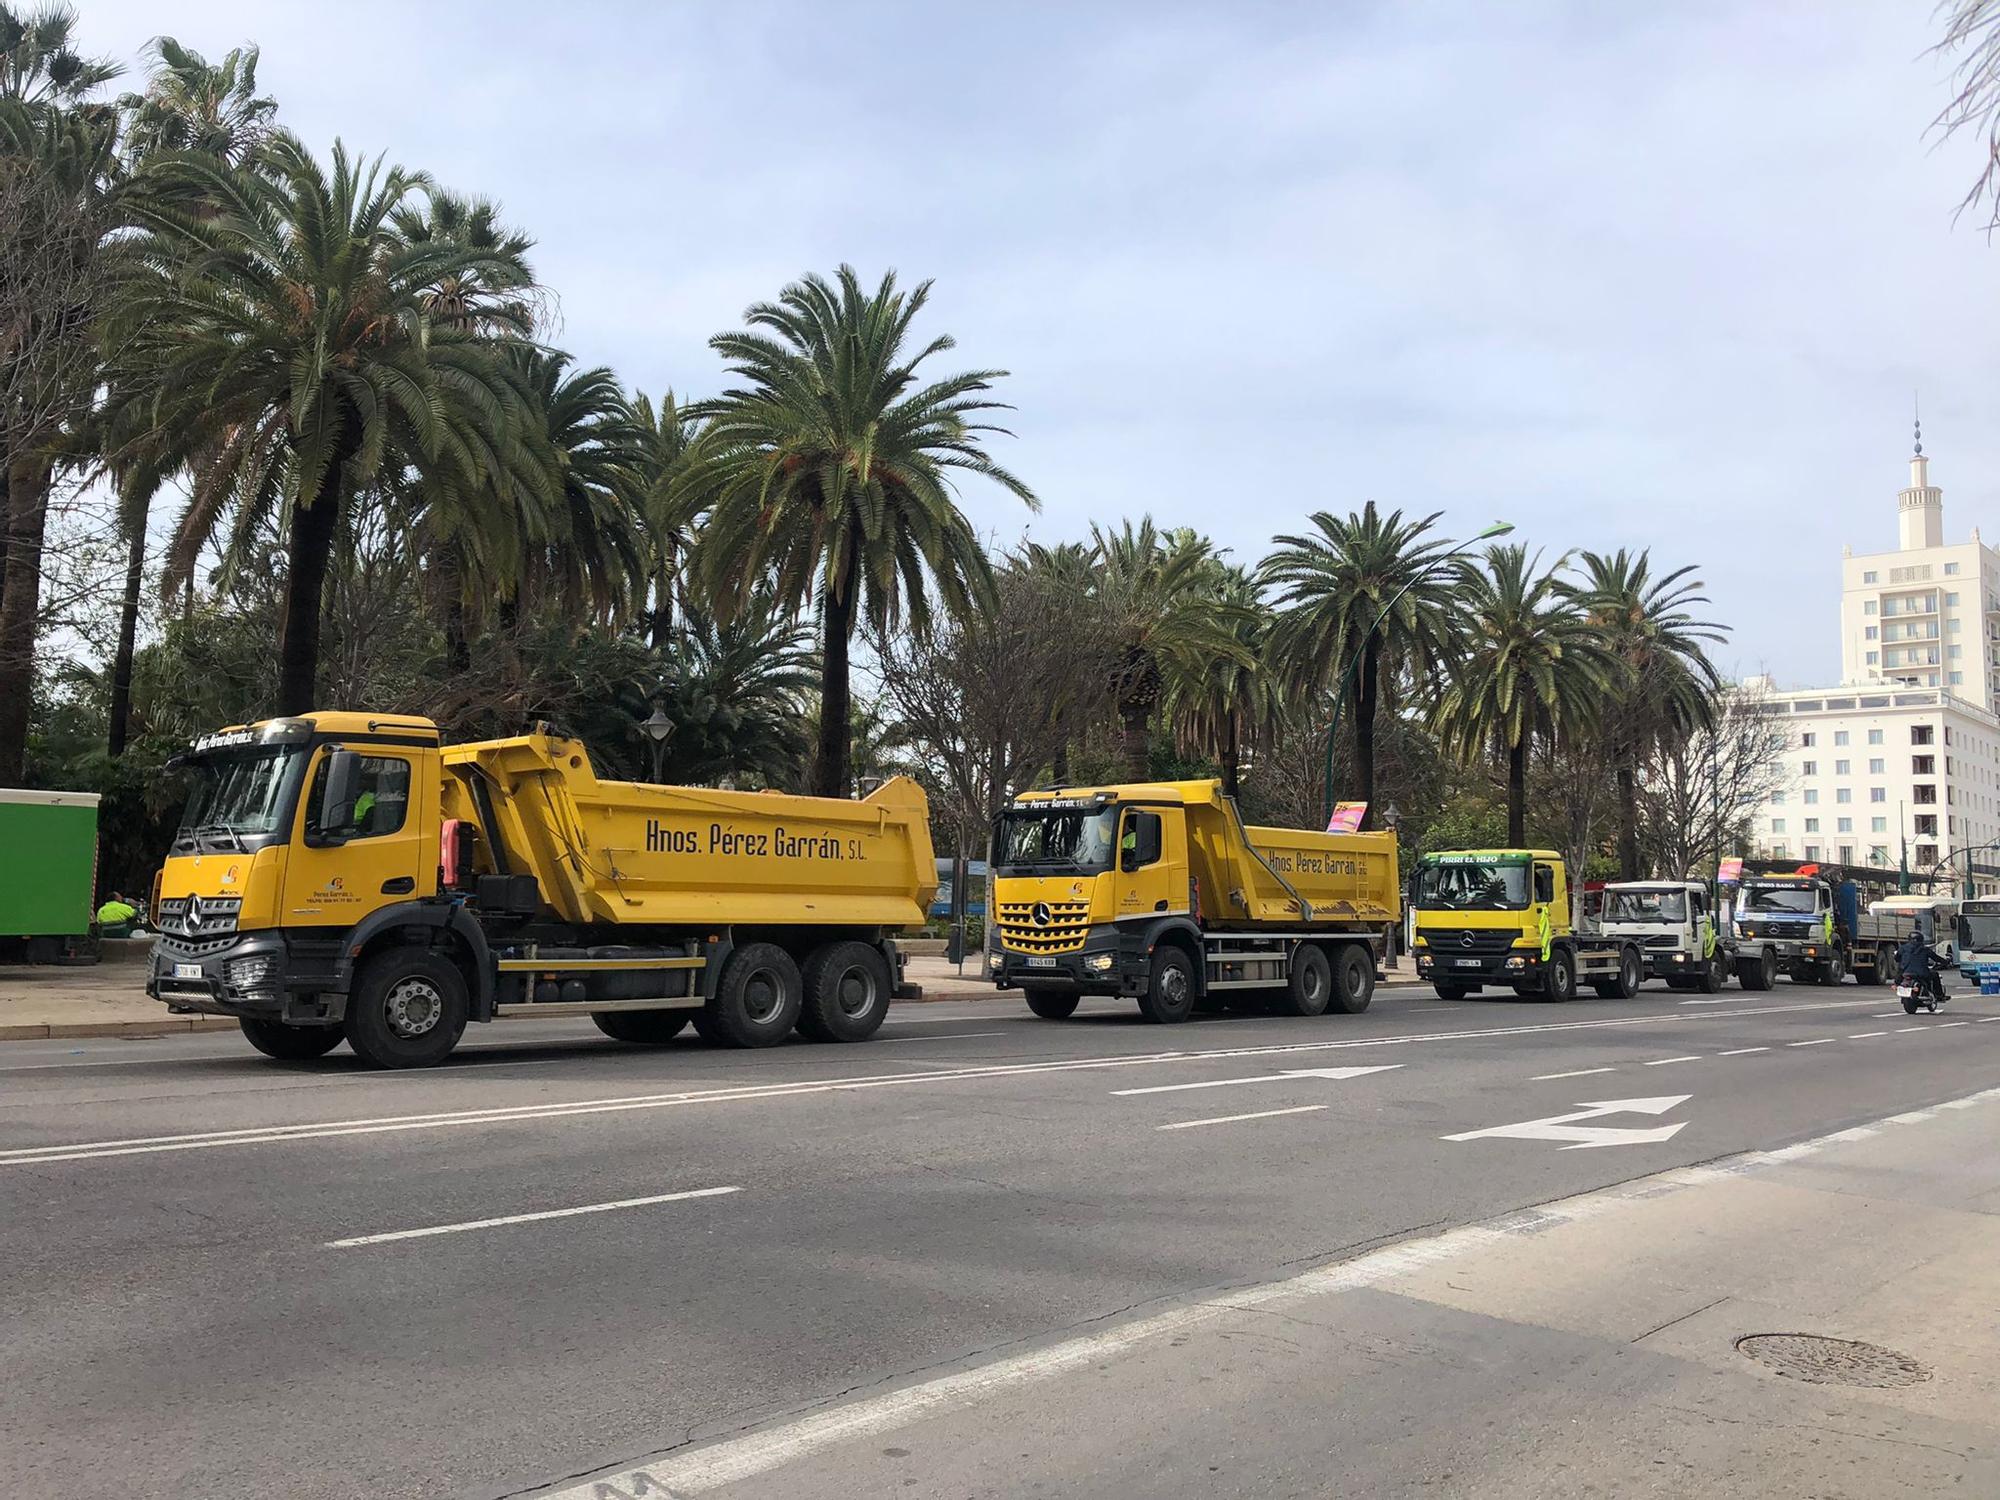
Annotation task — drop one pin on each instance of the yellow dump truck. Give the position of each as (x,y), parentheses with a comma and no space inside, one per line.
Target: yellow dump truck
(1492,917)
(350,875)
(1158,891)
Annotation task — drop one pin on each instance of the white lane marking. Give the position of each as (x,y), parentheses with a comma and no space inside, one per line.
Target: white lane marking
(942,1036)
(1885,1015)
(1742,1051)
(1661,1062)
(1262,1114)
(1862,1036)
(551,1213)
(1284,1077)
(1986,1020)
(1579,1073)
(1906,1030)
(1709,1002)
(1818,1041)
(1947,1025)
(1585,1137)
(695,1471)
(264,1134)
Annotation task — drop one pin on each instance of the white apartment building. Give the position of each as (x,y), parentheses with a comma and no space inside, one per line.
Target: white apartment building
(1904,756)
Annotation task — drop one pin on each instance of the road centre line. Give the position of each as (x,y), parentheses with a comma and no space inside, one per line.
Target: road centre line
(1862,1036)
(942,1036)
(696,1470)
(1262,1114)
(549,1213)
(1947,1025)
(1818,1041)
(1579,1073)
(1291,1075)
(1661,1062)
(1742,1051)
(267,1134)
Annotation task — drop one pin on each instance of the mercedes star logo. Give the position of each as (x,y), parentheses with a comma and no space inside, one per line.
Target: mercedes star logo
(1041,915)
(194,913)
(1466,940)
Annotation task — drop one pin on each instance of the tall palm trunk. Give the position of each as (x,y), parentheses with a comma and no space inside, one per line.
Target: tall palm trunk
(20,600)
(314,528)
(128,635)
(1133,743)
(1628,813)
(1231,754)
(660,621)
(457,631)
(830,760)
(1517,795)
(1367,691)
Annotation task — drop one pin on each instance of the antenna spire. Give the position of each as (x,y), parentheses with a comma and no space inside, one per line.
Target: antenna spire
(1917,414)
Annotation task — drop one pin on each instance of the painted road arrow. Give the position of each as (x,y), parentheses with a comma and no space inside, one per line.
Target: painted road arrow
(1221,1083)
(1583,1137)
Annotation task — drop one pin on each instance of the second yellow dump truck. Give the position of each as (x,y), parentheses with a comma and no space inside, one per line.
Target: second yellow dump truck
(1158,891)
(351,875)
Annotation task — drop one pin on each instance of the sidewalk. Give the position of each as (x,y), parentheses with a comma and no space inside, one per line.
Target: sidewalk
(1820,1322)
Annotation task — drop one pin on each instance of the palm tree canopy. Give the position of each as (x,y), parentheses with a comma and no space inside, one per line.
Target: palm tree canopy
(1532,663)
(39,63)
(1669,683)
(830,468)
(191,104)
(594,551)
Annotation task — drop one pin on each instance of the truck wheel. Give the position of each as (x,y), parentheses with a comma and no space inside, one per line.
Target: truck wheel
(1832,971)
(407,1009)
(290,1043)
(1309,985)
(1169,996)
(846,995)
(1353,979)
(1559,979)
(1713,977)
(757,1000)
(1051,1005)
(650,1027)
(1759,973)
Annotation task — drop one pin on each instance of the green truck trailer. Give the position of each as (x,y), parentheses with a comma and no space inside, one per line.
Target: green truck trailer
(48,874)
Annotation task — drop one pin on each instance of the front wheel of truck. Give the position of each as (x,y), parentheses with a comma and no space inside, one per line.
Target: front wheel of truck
(1051,1005)
(289,1043)
(1169,996)
(1759,973)
(846,995)
(407,1009)
(1559,978)
(756,1003)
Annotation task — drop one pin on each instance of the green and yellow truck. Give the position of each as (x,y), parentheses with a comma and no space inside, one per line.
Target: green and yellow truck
(350,875)
(1158,891)
(1501,918)
(48,875)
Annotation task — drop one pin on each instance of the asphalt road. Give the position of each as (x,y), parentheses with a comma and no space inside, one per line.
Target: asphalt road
(210,1284)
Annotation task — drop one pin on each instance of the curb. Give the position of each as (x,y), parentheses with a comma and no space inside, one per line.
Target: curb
(168,1025)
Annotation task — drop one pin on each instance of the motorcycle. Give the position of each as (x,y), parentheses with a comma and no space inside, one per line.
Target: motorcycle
(1927,991)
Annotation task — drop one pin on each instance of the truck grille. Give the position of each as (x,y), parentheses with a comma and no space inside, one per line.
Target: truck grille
(178,947)
(199,917)
(1468,941)
(1044,926)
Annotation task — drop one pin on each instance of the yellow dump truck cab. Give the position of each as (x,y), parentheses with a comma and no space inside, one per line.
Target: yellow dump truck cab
(1492,917)
(1158,892)
(349,875)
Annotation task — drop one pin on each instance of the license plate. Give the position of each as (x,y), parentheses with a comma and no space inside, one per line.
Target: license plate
(187,971)
(1467,963)
(1041,961)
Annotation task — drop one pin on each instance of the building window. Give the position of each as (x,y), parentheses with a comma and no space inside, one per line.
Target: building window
(1923,765)
(1875,765)
(1878,854)
(1871,658)
(1874,736)
(1840,767)
(1843,795)
(1953,626)
(1812,852)
(1926,824)
(1920,734)
(1839,737)
(1812,797)
(1878,825)
(1808,740)
(1847,854)
(1927,854)
(1870,632)
(1951,569)
(1950,598)
(1869,608)
(1843,825)
(1812,825)
(1957,678)
(1878,794)
(1777,799)
(1868,577)
(1954,652)
(1809,768)
(1777,825)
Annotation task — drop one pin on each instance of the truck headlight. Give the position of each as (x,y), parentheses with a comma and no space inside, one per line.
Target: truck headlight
(1680,958)
(1517,961)
(1099,963)
(993,963)
(253,972)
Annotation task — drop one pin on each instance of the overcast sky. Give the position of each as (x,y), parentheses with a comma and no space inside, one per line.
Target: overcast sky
(1649,275)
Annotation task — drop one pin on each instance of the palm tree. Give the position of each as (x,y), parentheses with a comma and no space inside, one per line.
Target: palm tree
(1157,593)
(829,474)
(593,548)
(1531,666)
(1668,685)
(214,110)
(735,695)
(296,323)
(1223,704)
(39,63)
(1333,588)
(667,502)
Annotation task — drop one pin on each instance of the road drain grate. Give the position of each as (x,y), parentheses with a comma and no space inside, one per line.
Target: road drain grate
(1824,1361)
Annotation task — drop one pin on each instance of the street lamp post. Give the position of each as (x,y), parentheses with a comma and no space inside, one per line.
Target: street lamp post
(659,729)
(1498,528)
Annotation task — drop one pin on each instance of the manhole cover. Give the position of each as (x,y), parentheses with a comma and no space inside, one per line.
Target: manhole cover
(1824,1361)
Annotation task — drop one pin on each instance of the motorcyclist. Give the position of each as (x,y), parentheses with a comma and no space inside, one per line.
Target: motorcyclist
(1916,960)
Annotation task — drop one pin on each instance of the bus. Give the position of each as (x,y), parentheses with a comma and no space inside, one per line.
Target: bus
(1978,935)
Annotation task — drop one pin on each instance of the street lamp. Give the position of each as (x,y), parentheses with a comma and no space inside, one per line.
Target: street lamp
(1392,817)
(659,729)
(1498,528)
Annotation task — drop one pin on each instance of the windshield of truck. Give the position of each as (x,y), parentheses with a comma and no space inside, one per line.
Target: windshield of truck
(1473,885)
(238,801)
(1072,839)
(1979,930)
(1780,898)
(1646,906)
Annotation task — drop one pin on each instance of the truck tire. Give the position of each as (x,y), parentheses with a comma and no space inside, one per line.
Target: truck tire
(1353,978)
(1559,979)
(407,1009)
(1832,971)
(289,1043)
(1051,1004)
(649,1027)
(846,994)
(1169,996)
(1713,977)
(1759,973)
(1631,974)
(756,1001)
(1309,984)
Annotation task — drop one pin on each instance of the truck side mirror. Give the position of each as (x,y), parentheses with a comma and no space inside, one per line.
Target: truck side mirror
(336,801)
